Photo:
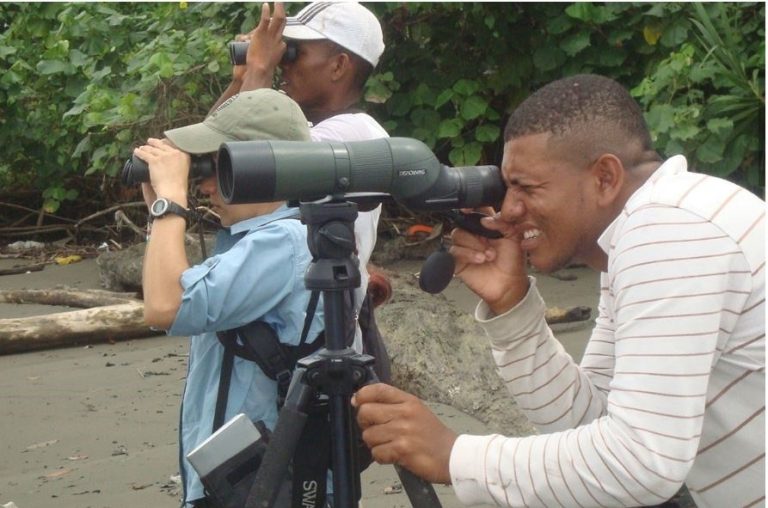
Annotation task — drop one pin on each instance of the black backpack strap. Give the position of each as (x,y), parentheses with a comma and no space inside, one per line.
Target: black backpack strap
(225,378)
(259,343)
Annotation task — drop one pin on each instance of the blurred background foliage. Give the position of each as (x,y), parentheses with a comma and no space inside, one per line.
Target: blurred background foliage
(82,83)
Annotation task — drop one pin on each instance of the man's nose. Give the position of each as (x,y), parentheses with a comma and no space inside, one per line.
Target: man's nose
(512,208)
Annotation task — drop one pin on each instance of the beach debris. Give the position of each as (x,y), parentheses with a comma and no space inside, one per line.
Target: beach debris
(9,504)
(22,246)
(58,473)
(67,260)
(41,444)
(556,315)
(564,276)
(120,450)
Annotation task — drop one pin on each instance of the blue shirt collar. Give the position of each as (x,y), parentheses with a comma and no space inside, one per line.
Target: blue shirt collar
(282,212)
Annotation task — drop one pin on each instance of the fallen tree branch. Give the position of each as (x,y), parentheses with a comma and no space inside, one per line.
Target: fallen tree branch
(23,269)
(110,317)
(67,297)
(111,209)
(100,324)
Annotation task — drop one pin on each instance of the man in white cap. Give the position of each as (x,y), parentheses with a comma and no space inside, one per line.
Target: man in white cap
(255,274)
(337,44)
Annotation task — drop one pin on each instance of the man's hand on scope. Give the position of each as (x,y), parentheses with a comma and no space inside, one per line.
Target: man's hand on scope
(265,50)
(168,171)
(400,429)
(492,268)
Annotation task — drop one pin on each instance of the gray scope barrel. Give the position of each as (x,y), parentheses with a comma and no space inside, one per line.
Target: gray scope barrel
(404,168)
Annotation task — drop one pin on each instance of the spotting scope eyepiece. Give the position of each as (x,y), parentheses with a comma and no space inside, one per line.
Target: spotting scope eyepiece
(403,168)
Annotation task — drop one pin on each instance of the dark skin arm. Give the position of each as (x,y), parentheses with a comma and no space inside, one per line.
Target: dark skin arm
(265,50)
(400,429)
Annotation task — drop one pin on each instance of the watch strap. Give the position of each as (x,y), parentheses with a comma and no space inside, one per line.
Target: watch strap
(173,208)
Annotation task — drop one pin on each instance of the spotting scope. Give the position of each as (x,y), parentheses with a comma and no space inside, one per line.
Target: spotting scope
(404,169)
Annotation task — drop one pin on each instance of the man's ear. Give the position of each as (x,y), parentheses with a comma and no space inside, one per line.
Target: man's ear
(341,65)
(609,175)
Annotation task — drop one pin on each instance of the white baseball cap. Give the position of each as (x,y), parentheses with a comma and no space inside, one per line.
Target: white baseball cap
(348,24)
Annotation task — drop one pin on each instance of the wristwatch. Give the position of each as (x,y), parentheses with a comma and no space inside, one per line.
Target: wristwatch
(162,207)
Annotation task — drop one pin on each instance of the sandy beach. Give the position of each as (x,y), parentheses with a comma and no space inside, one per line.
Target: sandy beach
(96,425)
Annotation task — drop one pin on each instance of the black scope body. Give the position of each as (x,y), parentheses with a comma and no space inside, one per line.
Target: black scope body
(402,168)
(136,171)
(238,52)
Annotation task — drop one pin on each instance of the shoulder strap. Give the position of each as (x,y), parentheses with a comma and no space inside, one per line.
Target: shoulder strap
(259,343)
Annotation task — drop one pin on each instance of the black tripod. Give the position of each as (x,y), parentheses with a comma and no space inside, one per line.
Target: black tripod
(335,371)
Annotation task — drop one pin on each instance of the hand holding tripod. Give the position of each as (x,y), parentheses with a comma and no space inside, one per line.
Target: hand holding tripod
(335,371)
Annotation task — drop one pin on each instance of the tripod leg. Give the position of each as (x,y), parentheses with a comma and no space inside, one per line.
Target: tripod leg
(282,446)
(420,492)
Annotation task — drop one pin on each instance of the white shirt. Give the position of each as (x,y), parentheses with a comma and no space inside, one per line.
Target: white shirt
(671,388)
(356,127)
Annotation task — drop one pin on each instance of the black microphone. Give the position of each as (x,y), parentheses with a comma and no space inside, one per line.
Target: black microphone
(437,271)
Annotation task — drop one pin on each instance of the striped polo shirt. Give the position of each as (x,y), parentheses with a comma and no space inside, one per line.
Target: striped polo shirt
(671,388)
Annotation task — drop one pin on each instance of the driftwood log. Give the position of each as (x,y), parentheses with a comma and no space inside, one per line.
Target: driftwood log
(105,316)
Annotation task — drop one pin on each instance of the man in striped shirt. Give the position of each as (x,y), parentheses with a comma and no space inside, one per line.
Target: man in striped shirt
(671,388)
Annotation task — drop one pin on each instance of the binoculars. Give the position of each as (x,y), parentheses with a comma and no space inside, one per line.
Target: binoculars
(238,50)
(136,171)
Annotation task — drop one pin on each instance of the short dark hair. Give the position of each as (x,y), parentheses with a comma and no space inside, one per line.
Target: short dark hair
(589,112)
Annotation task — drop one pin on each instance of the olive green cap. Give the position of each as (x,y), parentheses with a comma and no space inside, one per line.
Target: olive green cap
(247,116)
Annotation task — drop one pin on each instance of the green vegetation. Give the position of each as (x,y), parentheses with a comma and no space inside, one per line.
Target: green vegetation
(83,82)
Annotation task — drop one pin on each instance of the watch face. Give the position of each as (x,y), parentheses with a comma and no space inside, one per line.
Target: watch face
(159,207)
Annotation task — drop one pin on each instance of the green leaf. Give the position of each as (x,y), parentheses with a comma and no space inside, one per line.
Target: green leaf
(376,92)
(82,146)
(711,150)
(487,133)
(77,58)
(685,132)
(467,155)
(465,87)
(104,71)
(720,126)
(674,35)
(661,117)
(582,11)
(7,50)
(473,107)
(558,25)
(449,128)
(575,43)
(548,57)
(51,205)
(444,97)
(652,34)
(47,67)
